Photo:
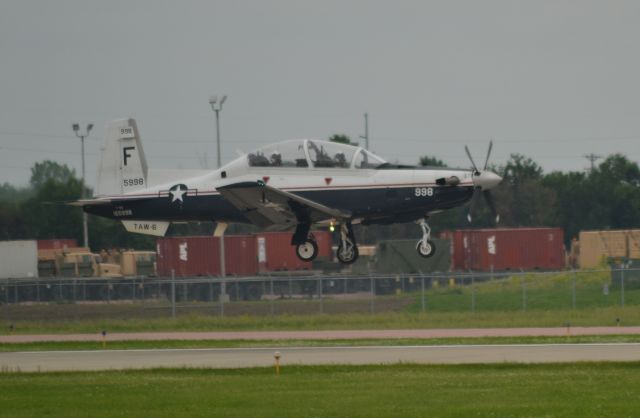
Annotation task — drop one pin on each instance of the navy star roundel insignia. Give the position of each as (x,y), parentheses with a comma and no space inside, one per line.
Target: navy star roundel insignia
(178,193)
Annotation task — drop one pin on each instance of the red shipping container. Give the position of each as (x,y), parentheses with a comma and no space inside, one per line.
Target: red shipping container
(506,249)
(275,252)
(56,244)
(200,256)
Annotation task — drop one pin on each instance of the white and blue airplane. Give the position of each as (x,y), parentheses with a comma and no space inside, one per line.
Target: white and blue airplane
(287,185)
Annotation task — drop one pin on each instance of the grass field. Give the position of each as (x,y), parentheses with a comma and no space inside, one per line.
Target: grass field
(564,390)
(608,316)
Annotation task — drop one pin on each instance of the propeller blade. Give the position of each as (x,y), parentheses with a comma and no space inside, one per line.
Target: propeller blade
(475,169)
(489,199)
(474,198)
(486,161)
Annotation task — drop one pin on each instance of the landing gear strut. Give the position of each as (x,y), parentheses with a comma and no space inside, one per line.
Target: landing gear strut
(347,249)
(425,247)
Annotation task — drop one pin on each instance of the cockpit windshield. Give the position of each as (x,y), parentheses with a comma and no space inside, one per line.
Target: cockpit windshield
(282,154)
(316,154)
(330,154)
(365,159)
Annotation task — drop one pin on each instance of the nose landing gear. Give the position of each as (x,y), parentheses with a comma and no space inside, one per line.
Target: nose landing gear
(425,247)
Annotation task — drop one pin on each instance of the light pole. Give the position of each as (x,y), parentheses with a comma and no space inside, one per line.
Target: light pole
(216,105)
(366,132)
(76,129)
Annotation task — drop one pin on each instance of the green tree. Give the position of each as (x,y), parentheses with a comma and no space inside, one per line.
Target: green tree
(429,161)
(521,199)
(342,139)
(41,172)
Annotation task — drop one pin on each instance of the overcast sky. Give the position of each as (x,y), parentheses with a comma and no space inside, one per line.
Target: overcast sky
(553,80)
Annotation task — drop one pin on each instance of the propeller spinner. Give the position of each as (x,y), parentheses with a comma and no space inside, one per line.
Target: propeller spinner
(483,182)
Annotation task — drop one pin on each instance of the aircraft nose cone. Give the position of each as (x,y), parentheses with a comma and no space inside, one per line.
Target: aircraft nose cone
(487,180)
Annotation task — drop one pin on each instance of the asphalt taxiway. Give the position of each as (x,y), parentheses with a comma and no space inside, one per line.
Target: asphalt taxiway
(257,357)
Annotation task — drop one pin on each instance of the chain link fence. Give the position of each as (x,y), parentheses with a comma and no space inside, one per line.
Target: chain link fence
(99,298)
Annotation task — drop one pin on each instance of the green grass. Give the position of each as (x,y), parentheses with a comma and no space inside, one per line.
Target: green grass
(532,300)
(181,344)
(628,315)
(529,291)
(558,390)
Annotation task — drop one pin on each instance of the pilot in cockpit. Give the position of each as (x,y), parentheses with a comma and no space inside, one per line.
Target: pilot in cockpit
(276,160)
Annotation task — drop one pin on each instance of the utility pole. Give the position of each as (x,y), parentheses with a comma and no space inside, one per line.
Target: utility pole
(366,131)
(216,105)
(592,158)
(76,129)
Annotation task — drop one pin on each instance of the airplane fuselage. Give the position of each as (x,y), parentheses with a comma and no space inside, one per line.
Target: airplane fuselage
(370,195)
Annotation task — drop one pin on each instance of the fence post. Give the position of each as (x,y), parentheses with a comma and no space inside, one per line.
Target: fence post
(373,296)
(424,305)
(622,284)
(173,294)
(271,307)
(320,295)
(524,291)
(223,294)
(473,292)
(573,290)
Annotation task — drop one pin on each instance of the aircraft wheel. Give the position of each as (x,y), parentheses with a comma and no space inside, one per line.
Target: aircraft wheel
(307,251)
(347,255)
(427,249)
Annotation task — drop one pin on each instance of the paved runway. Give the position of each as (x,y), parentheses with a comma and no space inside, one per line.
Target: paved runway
(328,334)
(252,357)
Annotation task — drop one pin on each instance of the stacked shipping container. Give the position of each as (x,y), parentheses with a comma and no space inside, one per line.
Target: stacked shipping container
(56,244)
(596,246)
(245,255)
(506,249)
(275,252)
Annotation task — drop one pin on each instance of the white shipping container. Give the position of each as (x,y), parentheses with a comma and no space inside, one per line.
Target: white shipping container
(18,259)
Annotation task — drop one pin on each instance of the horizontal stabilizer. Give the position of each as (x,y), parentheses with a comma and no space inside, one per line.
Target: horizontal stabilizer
(89,202)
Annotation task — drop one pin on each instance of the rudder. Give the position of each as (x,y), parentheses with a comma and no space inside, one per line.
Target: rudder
(123,166)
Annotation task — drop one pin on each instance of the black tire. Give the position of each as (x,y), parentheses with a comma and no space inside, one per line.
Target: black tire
(427,251)
(307,251)
(351,258)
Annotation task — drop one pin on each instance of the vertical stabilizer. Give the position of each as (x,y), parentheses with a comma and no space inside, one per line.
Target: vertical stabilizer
(123,166)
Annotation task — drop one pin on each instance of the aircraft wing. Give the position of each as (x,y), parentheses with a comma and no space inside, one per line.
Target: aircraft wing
(266,206)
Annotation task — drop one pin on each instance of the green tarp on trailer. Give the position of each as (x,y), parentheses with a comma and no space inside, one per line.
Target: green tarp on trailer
(400,256)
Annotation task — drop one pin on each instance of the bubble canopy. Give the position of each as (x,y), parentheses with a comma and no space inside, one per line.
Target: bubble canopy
(305,153)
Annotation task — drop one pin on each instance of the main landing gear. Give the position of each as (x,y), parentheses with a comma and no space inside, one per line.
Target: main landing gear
(308,250)
(302,239)
(425,247)
(347,249)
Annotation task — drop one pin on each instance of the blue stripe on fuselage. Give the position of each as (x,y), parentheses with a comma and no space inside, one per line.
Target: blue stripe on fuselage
(362,203)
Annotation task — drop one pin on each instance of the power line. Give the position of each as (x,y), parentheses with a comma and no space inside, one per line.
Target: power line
(592,158)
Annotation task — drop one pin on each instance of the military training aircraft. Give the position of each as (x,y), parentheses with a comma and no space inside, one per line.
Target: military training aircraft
(287,185)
